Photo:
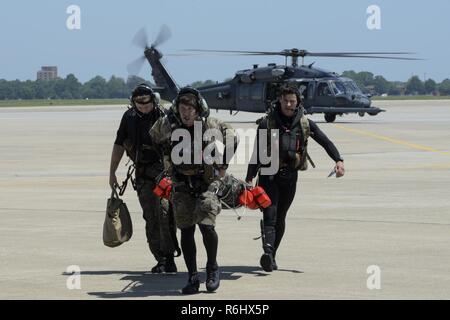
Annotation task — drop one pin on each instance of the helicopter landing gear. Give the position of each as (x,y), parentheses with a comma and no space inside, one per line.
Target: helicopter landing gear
(330,117)
(361,114)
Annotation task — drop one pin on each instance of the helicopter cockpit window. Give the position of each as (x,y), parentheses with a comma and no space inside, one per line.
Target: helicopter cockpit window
(338,87)
(257,91)
(353,86)
(303,90)
(346,87)
(244,91)
(324,89)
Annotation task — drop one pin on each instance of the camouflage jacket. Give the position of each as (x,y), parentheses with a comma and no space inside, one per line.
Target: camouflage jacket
(161,134)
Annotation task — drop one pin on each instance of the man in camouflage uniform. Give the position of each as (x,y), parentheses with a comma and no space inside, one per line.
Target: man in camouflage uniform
(133,138)
(192,202)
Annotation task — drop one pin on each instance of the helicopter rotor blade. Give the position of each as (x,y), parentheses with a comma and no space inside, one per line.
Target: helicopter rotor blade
(140,39)
(163,35)
(135,66)
(198,54)
(304,53)
(237,52)
(361,56)
(355,53)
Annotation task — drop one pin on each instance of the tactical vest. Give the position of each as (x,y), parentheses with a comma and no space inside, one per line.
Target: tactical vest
(135,149)
(202,171)
(293,141)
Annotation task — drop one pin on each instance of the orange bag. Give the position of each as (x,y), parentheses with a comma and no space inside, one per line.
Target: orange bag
(261,197)
(246,198)
(163,188)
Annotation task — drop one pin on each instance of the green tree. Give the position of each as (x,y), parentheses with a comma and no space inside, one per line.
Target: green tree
(381,85)
(27,90)
(72,87)
(6,90)
(430,86)
(59,89)
(44,89)
(444,87)
(117,88)
(133,81)
(362,79)
(415,86)
(349,74)
(366,78)
(95,88)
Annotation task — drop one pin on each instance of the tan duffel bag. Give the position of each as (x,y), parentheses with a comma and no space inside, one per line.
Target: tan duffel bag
(117,227)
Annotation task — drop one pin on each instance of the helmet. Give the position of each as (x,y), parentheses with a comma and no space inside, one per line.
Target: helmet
(228,190)
(202,106)
(144,89)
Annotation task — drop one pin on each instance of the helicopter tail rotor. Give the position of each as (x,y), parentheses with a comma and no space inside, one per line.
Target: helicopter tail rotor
(140,40)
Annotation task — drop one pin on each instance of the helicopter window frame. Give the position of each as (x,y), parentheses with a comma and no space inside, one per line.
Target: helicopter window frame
(320,92)
(251,91)
(354,86)
(349,86)
(257,91)
(339,89)
(303,88)
(244,91)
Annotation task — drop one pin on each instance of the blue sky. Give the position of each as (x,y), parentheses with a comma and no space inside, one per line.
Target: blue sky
(35,34)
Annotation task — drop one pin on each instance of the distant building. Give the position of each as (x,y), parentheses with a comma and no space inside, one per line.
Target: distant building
(47,73)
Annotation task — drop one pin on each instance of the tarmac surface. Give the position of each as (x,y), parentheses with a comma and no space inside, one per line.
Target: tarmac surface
(391,210)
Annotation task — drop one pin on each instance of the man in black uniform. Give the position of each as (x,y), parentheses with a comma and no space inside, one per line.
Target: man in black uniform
(294,130)
(133,138)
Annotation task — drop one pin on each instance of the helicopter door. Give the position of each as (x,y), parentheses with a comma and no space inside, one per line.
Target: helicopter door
(251,97)
(325,95)
(306,89)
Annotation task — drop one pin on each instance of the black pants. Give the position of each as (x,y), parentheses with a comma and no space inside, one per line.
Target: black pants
(281,190)
(210,241)
(158,230)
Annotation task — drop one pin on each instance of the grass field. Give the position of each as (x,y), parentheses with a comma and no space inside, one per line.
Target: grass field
(69,102)
(90,102)
(411,98)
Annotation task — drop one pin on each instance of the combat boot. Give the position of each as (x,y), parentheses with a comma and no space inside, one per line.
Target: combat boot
(193,284)
(266,260)
(274,265)
(212,278)
(160,267)
(170,266)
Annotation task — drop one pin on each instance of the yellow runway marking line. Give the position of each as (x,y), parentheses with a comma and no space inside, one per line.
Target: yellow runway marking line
(392,140)
(425,166)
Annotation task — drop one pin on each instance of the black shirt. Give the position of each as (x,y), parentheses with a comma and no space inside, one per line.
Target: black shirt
(134,137)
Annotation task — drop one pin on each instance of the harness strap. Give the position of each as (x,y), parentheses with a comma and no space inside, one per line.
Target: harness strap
(123,187)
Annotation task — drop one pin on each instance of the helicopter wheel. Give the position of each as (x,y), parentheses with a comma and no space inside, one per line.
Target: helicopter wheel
(361,114)
(329,117)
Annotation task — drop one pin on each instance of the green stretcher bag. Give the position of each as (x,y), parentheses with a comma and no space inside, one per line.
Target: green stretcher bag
(117,227)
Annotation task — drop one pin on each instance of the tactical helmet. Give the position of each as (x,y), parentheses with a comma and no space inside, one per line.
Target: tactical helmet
(228,189)
(144,89)
(202,106)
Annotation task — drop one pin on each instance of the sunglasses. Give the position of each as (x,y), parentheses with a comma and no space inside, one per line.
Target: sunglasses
(143,99)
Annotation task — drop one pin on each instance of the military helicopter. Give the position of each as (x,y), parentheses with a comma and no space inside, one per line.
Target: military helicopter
(255,89)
